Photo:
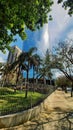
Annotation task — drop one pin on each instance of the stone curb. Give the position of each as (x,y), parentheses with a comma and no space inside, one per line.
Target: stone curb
(21,117)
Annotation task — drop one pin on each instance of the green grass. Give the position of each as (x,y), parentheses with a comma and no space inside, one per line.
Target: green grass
(11,101)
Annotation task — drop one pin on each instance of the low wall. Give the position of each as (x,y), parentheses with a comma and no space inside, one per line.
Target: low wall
(21,117)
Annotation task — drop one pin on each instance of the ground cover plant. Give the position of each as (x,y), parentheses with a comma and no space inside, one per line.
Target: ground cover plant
(11,102)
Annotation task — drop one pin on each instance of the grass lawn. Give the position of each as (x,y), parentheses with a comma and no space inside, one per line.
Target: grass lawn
(11,101)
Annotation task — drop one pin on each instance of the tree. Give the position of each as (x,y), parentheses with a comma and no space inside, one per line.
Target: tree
(48,64)
(42,72)
(4,67)
(16,16)
(25,61)
(67,4)
(31,61)
(45,68)
(35,64)
(63,59)
(63,82)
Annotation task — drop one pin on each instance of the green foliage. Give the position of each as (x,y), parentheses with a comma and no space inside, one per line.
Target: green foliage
(11,102)
(63,58)
(62,81)
(6,91)
(17,15)
(45,70)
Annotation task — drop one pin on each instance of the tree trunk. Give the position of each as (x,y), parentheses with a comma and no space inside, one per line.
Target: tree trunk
(26,92)
(4,83)
(44,81)
(37,76)
(33,73)
(18,74)
(50,81)
(72,90)
(36,80)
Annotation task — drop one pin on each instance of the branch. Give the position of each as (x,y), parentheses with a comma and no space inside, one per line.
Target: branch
(66,74)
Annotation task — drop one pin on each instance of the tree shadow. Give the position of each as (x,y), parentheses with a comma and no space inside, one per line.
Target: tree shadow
(62,123)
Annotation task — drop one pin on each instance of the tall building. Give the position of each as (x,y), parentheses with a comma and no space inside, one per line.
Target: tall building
(13,55)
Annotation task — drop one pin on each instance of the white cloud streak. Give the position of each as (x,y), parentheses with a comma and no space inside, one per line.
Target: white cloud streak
(43,42)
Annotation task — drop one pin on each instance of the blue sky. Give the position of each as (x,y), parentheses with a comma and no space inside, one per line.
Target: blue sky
(60,28)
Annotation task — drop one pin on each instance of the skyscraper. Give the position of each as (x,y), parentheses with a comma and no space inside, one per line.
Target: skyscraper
(13,55)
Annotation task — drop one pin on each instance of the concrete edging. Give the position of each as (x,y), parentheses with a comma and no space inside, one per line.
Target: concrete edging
(21,117)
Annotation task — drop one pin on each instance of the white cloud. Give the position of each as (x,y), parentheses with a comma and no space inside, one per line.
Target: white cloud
(43,42)
(70,35)
(61,20)
(58,74)
(60,16)
(57,29)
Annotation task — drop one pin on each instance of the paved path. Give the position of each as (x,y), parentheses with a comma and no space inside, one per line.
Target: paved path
(54,115)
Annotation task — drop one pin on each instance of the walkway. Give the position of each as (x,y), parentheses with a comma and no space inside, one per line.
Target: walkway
(54,116)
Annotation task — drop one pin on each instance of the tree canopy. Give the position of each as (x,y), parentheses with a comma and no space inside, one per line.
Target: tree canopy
(45,67)
(17,15)
(63,59)
(63,82)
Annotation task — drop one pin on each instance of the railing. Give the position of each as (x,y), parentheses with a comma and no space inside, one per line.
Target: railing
(14,109)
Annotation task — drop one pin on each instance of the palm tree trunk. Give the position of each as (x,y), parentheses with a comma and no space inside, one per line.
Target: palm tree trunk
(37,76)
(4,82)
(18,73)
(44,80)
(33,72)
(50,81)
(26,92)
(36,80)
(72,90)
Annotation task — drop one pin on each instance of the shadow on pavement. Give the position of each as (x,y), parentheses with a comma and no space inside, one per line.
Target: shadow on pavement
(64,122)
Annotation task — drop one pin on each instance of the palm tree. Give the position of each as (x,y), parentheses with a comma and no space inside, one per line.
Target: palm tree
(25,61)
(42,72)
(30,62)
(35,63)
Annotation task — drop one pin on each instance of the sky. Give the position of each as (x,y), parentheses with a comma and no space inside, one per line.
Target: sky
(60,28)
